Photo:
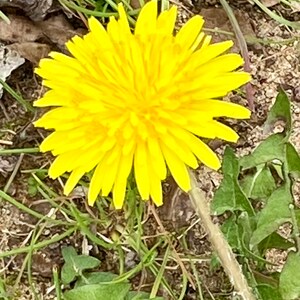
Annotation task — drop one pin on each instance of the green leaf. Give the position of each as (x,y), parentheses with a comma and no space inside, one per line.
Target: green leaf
(274,240)
(275,213)
(32,187)
(260,185)
(293,160)
(297,215)
(140,296)
(229,196)
(95,278)
(289,281)
(75,264)
(231,232)
(264,184)
(268,292)
(281,110)
(116,291)
(270,149)
(246,226)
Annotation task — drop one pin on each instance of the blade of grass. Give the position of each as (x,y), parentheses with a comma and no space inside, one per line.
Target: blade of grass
(44,186)
(143,252)
(281,20)
(19,151)
(165,5)
(13,174)
(82,226)
(196,275)
(160,274)
(56,283)
(35,236)
(4,18)
(17,96)
(98,13)
(184,287)
(39,245)
(19,205)
(28,210)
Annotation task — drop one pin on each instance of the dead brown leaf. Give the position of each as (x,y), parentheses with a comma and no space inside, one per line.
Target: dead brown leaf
(58,30)
(31,51)
(36,10)
(21,29)
(34,40)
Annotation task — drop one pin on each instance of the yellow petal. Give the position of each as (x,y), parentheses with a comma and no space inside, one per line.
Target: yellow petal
(61,164)
(155,188)
(226,83)
(119,188)
(224,132)
(96,183)
(53,98)
(218,108)
(123,21)
(189,32)
(177,169)
(146,22)
(222,64)
(141,172)
(72,181)
(111,169)
(52,140)
(99,33)
(204,55)
(204,153)
(182,151)
(156,157)
(213,129)
(166,21)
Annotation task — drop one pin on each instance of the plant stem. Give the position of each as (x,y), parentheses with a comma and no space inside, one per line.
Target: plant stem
(219,243)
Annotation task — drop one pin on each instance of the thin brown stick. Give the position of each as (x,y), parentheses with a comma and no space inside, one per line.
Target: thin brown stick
(219,243)
(244,50)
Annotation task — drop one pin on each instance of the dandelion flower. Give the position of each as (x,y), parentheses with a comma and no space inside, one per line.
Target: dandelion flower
(138,101)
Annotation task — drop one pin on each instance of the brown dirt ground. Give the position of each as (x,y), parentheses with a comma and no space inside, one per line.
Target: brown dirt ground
(273,65)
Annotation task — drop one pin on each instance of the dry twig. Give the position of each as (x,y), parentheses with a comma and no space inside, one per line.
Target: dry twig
(219,243)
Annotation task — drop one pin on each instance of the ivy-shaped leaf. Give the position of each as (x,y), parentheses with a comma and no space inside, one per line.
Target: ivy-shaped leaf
(274,240)
(75,264)
(281,110)
(275,213)
(95,278)
(293,160)
(272,148)
(259,185)
(140,296)
(269,292)
(229,196)
(116,291)
(289,282)
(231,232)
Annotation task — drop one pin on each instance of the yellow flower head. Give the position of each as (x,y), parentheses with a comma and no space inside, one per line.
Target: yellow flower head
(138,100)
